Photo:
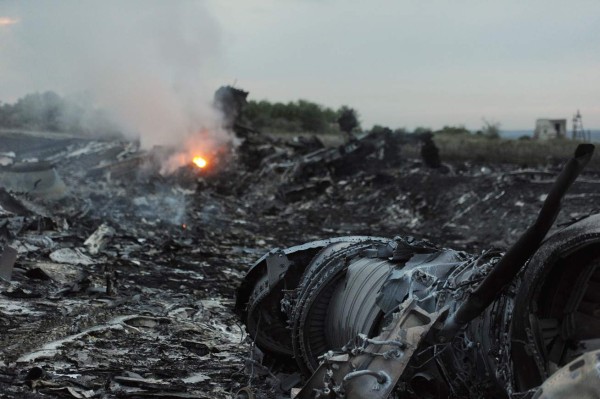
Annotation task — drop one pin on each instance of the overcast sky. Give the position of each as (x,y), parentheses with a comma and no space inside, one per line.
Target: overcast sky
(412,63)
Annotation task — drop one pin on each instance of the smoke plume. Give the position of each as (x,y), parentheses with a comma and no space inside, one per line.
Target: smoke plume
(147,63)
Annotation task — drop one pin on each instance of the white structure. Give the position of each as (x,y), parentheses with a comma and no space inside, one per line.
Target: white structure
(550,129)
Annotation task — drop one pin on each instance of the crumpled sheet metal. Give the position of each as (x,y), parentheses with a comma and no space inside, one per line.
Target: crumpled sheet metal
(579,379)
(99,238)
(417,277)
(8,256)
(71,256)
(334,301)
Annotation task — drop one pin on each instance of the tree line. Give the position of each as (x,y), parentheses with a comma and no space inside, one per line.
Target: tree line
(298,116)
(49,111)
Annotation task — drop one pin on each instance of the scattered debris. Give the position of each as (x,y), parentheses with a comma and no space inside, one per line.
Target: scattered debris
(71,257)
(364,316)
(132,273)
(98,240)
(37,178)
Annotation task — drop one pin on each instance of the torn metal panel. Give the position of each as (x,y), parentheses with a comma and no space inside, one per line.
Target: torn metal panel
(123,169)
(417,277)
(99,238)
(8,203)
(277,265)
(7,262)
(38,179)
(70,256)
(578,379)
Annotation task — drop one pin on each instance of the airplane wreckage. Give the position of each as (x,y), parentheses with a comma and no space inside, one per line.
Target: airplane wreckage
(372,317)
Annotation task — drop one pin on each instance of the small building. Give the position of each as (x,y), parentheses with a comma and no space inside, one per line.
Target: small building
(550,129)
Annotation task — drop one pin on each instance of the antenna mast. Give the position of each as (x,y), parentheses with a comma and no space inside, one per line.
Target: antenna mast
(578,132)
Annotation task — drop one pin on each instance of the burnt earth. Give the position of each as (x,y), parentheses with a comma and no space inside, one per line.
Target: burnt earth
(150,315)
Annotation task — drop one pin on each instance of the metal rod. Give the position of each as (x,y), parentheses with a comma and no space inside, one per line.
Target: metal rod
(514,259)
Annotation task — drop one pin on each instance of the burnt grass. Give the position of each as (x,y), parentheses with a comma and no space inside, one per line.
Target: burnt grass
(152,314)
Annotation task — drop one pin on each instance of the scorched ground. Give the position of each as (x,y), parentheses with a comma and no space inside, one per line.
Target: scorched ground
(145,308)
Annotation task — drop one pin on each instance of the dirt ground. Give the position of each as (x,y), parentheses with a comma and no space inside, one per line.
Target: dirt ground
(150,314)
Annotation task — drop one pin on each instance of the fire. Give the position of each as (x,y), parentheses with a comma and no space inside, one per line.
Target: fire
(200,162)
(5,21)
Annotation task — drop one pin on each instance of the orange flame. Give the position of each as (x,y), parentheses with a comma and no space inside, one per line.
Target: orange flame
(200,162)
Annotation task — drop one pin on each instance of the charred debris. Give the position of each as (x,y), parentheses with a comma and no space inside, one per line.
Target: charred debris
(117,281)
(370,317)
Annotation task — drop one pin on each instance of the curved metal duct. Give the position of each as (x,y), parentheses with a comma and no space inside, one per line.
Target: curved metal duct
(353,307)
(310,315)
(265,298)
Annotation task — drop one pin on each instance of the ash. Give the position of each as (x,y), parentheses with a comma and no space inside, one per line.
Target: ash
(119,282)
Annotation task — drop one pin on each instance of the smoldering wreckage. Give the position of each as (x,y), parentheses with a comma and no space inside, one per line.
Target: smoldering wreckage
(120,281)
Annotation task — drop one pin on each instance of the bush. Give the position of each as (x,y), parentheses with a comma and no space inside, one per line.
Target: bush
(491,130)
(347,119)
(454,130)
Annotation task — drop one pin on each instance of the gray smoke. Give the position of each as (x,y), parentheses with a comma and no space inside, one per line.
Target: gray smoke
(147,63)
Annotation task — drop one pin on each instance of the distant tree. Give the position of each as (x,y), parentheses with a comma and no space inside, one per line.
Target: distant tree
(295,116)
(421,130)
(378,129)
(311,116)
(490,129)
(35,111)
(455,130)
(347,120)
(51,112)
(257,114)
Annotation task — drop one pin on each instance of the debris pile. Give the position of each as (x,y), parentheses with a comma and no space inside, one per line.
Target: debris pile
(123,285)
(370,317)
